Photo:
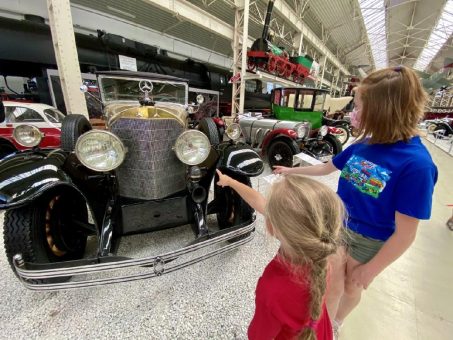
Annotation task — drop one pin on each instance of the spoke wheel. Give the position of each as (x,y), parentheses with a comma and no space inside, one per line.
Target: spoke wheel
(327,148)
(281,153)
(342,137)
(251,65)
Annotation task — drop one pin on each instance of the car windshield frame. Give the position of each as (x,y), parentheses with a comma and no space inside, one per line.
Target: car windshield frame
(51,117)
(161,89)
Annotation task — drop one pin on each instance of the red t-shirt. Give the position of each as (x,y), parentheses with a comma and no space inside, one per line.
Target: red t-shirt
(283,306)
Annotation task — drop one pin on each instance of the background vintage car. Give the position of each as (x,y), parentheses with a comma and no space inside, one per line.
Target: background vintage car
(45,117)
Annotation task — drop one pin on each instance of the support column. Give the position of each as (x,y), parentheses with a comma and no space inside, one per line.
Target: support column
(241,28)
(60,21)
(323,63)
(299,43)
(337,76)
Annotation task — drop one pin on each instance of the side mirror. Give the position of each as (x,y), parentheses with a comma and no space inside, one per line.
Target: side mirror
(2,112)
(84,88)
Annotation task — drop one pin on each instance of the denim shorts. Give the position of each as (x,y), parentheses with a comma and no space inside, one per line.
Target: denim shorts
(362,248)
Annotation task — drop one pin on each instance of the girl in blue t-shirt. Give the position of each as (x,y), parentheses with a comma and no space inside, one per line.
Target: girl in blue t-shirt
(386,182)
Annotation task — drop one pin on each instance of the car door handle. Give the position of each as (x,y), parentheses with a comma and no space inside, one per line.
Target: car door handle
(9,125)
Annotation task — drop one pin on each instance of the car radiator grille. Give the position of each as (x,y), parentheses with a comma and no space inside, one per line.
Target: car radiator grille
(150,169)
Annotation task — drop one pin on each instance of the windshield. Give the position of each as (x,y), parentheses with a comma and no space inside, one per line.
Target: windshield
(319,102)
(54,116)
(116,89)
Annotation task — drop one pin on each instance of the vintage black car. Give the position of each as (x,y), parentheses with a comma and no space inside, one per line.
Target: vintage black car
(151,169)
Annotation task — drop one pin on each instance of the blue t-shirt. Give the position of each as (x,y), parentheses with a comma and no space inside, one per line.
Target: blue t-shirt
(379,179)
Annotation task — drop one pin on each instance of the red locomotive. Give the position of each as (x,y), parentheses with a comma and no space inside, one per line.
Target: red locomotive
(272,59)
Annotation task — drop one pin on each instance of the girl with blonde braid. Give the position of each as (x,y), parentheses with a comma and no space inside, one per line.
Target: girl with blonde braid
(306,217)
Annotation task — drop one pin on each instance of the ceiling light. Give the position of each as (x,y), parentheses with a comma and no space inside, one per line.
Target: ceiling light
(373,13)
(440,34)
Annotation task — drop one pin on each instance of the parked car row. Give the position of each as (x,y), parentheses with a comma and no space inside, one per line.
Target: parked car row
(151,168)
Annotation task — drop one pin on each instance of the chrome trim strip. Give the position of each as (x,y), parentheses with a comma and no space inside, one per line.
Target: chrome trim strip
(161,264)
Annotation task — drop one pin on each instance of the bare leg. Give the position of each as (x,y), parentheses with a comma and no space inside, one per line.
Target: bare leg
(335,286)
(352,293)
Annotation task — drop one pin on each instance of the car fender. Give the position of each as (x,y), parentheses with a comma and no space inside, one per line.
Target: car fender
(285,133)
(27,175)
(240,159)
(218,121)
(6,142)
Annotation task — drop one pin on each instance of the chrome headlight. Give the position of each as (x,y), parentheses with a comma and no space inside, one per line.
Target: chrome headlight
(190,109)
(100,150)
(233,131)
(27,135)
(323,130)
(302,130)
(192,147)
(200,99)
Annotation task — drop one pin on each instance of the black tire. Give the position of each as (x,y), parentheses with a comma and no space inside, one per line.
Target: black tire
(233,210)
(46,231)
(334,143)
(345,133)
(6,149)
(209,128)
(281,152)
(72,127)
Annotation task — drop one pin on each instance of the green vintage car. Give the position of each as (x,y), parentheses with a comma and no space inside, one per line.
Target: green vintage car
(296,125)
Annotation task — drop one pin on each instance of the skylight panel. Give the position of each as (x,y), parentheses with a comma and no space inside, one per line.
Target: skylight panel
(440,34)
(373,13)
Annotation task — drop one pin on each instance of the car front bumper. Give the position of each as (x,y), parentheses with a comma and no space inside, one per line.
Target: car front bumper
(32,275)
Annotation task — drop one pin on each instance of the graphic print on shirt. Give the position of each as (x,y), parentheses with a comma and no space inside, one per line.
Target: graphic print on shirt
(366,176)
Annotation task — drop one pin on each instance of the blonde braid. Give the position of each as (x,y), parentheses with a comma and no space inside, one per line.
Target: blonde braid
(307,217)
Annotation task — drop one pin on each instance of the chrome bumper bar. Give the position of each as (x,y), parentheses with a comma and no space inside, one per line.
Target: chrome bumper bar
(161,264)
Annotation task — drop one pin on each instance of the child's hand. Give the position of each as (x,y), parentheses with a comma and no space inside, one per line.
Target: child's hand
(278,169)
(224,180)
(362,276)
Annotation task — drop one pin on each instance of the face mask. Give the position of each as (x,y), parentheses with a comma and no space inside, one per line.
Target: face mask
(355,118)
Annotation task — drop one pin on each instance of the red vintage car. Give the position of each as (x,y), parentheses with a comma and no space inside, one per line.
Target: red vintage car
(44,117)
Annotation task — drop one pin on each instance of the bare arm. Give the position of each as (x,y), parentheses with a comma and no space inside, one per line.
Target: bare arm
(393,248)
(250,195)
(314,170)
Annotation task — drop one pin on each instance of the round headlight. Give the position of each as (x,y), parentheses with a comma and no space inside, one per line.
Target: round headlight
(27,135)
(100,150)
(323,130)
(200,99)
(192,147)
(190,109)
(233,131)
(302,130)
